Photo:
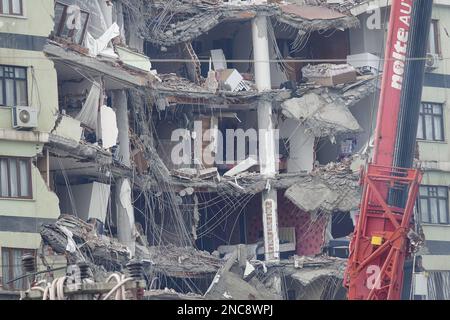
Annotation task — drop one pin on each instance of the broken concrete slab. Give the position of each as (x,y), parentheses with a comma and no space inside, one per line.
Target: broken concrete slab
(169,294)
(320,116)
(308,275)
(230,286)
(185,173)
(59,54)
(179,261)
(74,149)
(69,128)
(134,59)
(195,174)
(329,75)
(317,278)
(208,173)
(320,197)
(99,250)
(312,197)
(241,167)
(331,188)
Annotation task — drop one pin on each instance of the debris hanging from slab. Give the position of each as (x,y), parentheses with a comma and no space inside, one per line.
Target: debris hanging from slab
(168,23)
(97,249)
(177,261)
(320,117)
(332,188)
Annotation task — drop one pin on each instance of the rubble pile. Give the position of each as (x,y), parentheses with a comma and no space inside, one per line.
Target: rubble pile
(177,83)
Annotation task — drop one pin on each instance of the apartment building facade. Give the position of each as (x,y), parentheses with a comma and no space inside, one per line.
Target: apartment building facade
(40,140)
(28,95)
(99,146)
(433,138)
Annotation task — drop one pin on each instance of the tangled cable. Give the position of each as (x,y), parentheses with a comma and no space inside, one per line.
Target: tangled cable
(121,281)
(53,290)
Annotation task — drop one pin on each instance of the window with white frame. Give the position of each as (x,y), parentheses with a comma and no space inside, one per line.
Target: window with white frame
(15,178)
(11,7)
(434,44)
(431,122)
(433,205)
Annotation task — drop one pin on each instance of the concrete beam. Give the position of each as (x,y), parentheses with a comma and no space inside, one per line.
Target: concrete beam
(115,72)
(77,150)
(24,136)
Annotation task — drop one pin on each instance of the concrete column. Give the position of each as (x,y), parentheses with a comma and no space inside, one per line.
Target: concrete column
(125,214)
(267,143)
(123,200)
(120,106)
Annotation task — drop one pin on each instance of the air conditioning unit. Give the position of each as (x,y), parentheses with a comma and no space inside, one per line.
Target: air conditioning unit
(24,117)
(432,62)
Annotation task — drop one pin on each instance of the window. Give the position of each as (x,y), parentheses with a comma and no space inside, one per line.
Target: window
(431,122)
(12,268)
(433,205)
(434,45)
(15,178)
(70,22)
(11,7)
(13,86)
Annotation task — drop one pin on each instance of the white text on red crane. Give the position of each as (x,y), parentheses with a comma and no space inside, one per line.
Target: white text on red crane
(401,45)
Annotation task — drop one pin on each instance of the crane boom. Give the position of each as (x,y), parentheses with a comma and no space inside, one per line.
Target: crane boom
(394,68)
(380,242)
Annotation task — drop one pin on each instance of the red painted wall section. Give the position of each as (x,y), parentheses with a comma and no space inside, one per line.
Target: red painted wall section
(309,234)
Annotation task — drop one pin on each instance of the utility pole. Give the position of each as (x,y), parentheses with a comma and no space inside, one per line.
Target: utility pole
(267,143)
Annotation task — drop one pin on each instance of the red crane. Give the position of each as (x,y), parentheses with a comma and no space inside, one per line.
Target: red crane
(380,243)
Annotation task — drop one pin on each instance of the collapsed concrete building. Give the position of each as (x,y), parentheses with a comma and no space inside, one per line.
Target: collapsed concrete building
(95,177)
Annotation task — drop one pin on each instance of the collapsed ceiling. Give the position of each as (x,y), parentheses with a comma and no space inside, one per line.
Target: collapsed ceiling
(167,23)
